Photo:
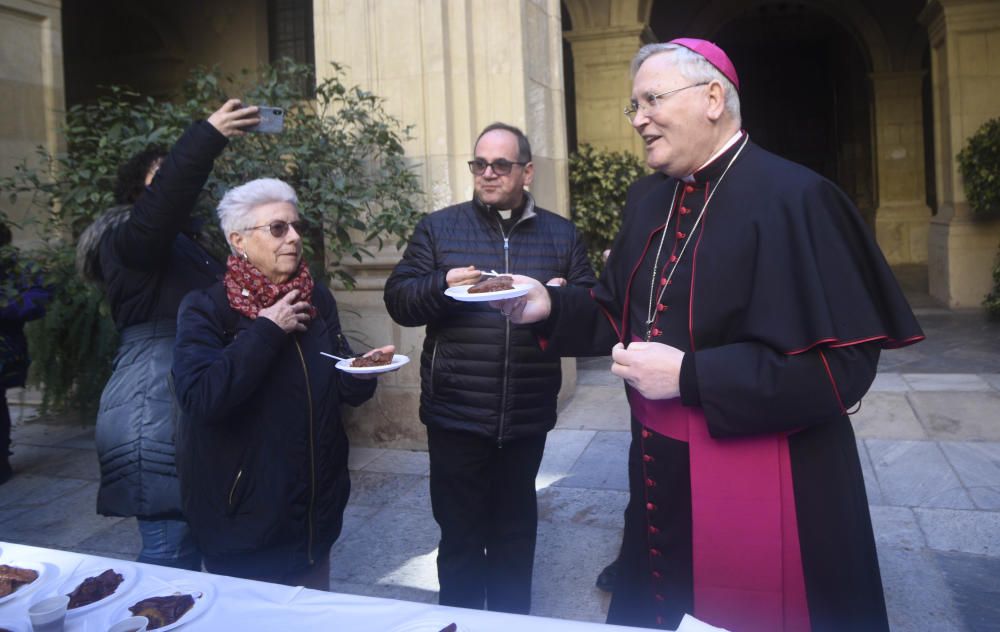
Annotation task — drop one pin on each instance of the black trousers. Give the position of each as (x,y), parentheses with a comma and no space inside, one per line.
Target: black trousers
(483,498)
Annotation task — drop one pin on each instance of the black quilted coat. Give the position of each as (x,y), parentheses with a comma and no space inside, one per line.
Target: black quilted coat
(480,373)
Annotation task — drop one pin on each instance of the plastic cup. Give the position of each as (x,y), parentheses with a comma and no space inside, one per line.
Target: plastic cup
(49,615)
(132,624)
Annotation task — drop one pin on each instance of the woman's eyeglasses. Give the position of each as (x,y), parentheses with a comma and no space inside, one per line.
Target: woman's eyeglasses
(279,228)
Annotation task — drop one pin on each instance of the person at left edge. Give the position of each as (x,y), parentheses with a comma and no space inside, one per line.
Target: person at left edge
(145,254)
(261,450)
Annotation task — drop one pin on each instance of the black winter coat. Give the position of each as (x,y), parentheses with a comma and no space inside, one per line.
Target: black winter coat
(261,451)
(146,261)
(479,373)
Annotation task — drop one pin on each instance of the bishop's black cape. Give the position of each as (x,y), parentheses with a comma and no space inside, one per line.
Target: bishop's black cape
(786,301)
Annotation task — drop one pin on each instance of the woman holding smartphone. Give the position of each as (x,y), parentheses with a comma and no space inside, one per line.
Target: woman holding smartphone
(146,256)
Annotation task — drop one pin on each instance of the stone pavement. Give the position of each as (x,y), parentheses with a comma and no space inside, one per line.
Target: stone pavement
(928,434)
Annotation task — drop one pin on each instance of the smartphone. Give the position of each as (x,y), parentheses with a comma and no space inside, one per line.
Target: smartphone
(272,120)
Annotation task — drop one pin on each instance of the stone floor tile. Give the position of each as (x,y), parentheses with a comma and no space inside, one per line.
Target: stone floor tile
(356,517)
(417,497)
(359,457)
(42,434)
(82,441)
(400,462)
(946,382)
(30,490)
(915,474)
(993,379)
(566,569)
(978,467)
(596,408)
(887,416)
(889,383)
(603,465)
(917,596)
(60,524)
(378,489)
(120,540)
(896,527)
(573,506)
(973,580)
(872,490)
(48,461)
(562,449)
(968,416)
(397,547)
(962,531)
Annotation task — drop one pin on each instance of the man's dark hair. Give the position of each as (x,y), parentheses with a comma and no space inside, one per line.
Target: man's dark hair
(131,180)
(523,146)
(5,235)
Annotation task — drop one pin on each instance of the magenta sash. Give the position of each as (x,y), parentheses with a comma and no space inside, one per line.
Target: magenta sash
(747,562)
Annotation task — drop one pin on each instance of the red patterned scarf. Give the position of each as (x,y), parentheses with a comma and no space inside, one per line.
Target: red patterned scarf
(249,291)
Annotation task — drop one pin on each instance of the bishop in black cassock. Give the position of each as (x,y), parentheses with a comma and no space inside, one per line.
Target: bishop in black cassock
(746,304)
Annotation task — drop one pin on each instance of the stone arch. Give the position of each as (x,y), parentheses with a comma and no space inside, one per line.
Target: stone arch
(849,14)
(602,14)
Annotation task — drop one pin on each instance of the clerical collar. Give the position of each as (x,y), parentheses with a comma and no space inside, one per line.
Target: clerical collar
(705,172)
(505,214)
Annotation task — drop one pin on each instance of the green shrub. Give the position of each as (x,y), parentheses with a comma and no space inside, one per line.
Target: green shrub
(992,301)
(340,150)
(979,164)
(598,183)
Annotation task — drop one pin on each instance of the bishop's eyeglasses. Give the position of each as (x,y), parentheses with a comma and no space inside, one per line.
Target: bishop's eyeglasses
(501,166)
(279,228)
(651,101)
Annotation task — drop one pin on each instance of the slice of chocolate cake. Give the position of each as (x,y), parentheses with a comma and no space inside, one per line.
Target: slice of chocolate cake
(376,359)
(493,284)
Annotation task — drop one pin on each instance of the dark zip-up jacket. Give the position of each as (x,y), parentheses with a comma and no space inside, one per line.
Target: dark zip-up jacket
(146,259)
(479,373)
(261,451)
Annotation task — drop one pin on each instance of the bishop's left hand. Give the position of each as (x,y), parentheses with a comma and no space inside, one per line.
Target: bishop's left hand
(652,368)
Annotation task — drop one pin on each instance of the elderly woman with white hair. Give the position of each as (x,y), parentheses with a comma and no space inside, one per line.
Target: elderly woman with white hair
(261,450)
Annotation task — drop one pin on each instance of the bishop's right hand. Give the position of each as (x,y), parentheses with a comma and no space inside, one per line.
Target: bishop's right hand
(533,307)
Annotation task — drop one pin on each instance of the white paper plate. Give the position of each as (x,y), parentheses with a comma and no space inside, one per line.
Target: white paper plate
(46,573)
(398,360)
(129,573)
(461,293)
(434,623)
(204,594)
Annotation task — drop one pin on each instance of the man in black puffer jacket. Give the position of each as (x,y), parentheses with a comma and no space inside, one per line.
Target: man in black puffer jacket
(488,391)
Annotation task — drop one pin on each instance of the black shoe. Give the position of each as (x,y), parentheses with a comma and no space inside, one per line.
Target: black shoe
(608,578)
(5,471)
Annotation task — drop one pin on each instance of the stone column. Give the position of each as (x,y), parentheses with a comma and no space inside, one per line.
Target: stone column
(449,69)
(965,62)
(601,59)
(31,87)
(902,217)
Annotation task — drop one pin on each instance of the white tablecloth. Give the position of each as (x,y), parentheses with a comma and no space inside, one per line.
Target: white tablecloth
(244,606)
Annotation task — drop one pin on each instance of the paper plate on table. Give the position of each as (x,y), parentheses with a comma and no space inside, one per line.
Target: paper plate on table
(46,573)
(202,591)
(129,573)
(431,624)
(461,293)
(398,360)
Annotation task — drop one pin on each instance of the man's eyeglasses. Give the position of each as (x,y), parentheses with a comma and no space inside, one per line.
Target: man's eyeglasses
(501,166)
(279,228)
(650,103)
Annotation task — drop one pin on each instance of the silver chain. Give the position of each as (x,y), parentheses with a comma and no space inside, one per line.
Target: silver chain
(650,310)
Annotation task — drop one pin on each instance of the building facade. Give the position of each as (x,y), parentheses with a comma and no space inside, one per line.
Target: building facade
(877,95)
